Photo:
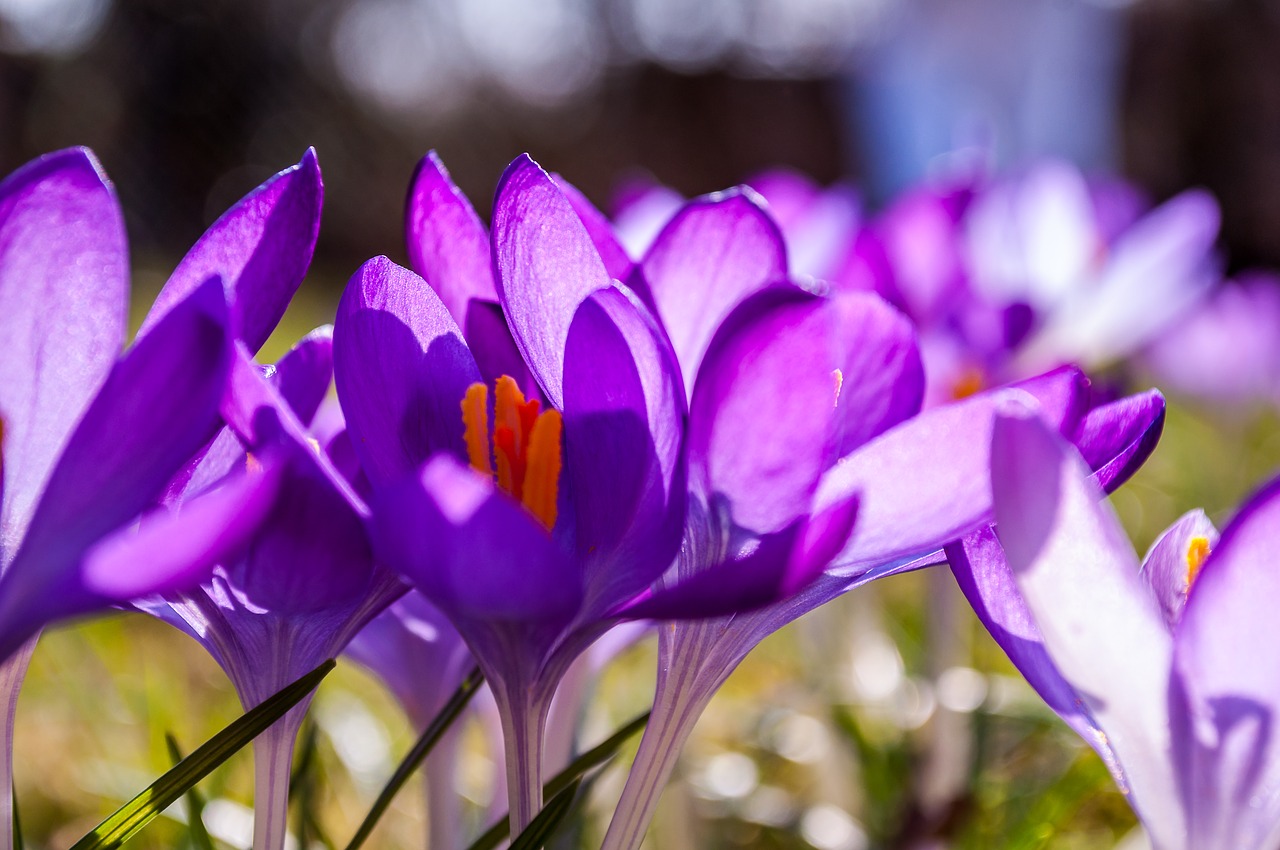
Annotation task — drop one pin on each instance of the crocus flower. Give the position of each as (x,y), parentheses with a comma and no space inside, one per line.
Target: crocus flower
(89,440)
(1227,349)
(1144,660)
(306,581)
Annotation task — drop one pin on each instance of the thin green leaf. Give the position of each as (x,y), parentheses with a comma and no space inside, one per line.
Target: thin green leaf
(198,835)
(591,759)
(544,825)
(304,759)
(17,824)
(138,812)
(425,744)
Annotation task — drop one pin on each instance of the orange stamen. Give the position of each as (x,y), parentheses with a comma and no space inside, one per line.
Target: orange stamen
(475,420)
(542,469)
(1197,552)
(524,446)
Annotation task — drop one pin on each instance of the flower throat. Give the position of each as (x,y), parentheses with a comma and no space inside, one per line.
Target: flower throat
(524,450)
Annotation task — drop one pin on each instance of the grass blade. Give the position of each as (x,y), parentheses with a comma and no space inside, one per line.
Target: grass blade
(570,776)
(198,835)
(138,812)
(424,745)
(544,825)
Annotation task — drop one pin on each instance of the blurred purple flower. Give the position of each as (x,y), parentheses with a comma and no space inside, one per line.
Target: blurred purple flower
(1149,662)
(1228,349)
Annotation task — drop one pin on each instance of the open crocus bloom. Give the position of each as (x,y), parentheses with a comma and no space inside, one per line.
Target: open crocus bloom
(1146,661)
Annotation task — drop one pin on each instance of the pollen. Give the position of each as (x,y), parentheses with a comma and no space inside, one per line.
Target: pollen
(523,450)
(1197,551)
(837,378)
(969,382)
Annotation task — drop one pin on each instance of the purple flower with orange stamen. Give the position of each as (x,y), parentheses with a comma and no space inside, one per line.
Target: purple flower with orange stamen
(1163,666)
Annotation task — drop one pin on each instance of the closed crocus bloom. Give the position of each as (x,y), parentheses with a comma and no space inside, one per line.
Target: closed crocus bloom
(91,438)
(1144,659)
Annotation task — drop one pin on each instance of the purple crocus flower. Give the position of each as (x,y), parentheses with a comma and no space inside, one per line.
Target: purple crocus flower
(306,581)
(1143,660)
(1227,349)
(88,440)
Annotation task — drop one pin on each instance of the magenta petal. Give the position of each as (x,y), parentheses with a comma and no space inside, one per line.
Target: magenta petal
(447,242)
(170,552)
(882,378)
(546,264)
(402,370)
(761,421)
(64,289)
(624,427)
(1167,567)
(926,482)
(606,241)
(471,549)
(261,249)
(983,574)
(1117,438)
(1225,656)
(716,252)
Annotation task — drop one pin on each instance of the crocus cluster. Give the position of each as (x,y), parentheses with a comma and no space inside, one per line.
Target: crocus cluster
(549,433)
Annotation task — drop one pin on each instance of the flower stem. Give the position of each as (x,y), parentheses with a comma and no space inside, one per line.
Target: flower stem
(444,812)
(273,762)
(523,723)
(12,672)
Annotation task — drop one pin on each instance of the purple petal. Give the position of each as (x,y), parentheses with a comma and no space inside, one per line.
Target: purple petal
(1098,619)
(302,377)
(260,248)
(157,407)
(641,209)
(172,551)
(761,422)
(926,482)
(716,252)
(64,289)
(1168,566)
(471,549)
(494,349)
(402,370)
(624,426)
(779,567)
(882,378)
(447,242)
(1226,660)
(606,241)
(983,574)
(546,264)
(1117,438)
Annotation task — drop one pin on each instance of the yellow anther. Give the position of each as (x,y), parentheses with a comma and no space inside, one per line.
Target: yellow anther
(838,377)
(970,382)
(475,421)
(1197,551)
(542,470)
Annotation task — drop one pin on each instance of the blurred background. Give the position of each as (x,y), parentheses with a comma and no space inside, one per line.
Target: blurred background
(905,728)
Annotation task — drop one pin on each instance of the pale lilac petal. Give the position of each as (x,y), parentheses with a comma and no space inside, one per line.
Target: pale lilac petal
(447,242)
(260,248)
(303,376)
(471,549)
(979,565)
(761,421)
(881,375)
(64,290)
(606,241)
(640,211)
(402,370)
(926,482)
(1168,567)
(624,417)
(714,254)
(546,264)
(1099,620)
(1226,661)
(172,551)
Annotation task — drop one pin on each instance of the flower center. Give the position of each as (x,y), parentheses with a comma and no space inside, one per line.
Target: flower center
(523,449)
(1197,551)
